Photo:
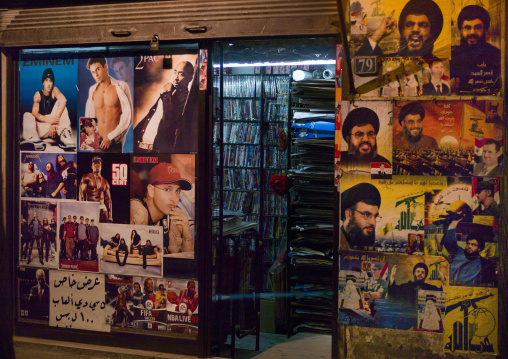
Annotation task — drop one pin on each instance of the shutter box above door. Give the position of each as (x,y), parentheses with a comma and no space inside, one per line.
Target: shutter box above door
(171,20)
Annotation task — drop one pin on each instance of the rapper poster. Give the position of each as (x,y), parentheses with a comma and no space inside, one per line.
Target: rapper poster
(165,107)
(79,236)
(461,225)
(120,300)
(381,290)
(386,215)
(367,135)
(48,175)
(471,321)
(131,250)
(33,292)
(104,178)
(427,139)
(162,193)
(150,300)
(182,306)
(77,301)
(38,238)
(105,95)
(48,104)
(476,43)
(401,29)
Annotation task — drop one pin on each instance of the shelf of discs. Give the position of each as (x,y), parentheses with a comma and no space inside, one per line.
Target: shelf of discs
(310,237)
(255,122)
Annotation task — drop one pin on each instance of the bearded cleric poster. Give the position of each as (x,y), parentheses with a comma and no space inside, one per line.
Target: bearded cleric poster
(389,290)
(459,45)
(48,104)
(165,106)
(384,214)
(367,135)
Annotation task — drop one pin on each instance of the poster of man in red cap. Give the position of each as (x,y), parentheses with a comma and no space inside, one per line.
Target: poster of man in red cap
(162,194)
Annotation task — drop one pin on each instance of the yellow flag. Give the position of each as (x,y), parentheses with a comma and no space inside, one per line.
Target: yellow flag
(388,228)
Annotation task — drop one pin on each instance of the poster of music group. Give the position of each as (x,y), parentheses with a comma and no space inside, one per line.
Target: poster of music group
(107,166)
(426,47)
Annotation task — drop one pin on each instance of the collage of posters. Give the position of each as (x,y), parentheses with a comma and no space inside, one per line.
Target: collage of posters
(433,202)
(154,304)
(107,171)
(426,47)
(420,177)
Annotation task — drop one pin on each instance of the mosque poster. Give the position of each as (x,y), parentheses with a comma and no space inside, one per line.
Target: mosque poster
(431,310)
(380,290)
(471,321)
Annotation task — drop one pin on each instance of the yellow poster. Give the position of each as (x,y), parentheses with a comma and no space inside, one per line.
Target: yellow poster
(471,321)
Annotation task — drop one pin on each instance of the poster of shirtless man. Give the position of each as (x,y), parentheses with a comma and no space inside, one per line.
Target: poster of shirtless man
(104,178)
(108,100)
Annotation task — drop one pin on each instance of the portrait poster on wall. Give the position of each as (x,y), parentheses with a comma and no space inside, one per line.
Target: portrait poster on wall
(79,224)
(104,178)
(48,175)
(396,207)
(456,48)
(388,290)
(150,311)
(38,243)
(131,250)
(120,299)
(105,94)
(33,293)
(471,321)
(163,194)
(367,137)
(77,301)
(48,103)
(462,224)
(182,306)
(165,107)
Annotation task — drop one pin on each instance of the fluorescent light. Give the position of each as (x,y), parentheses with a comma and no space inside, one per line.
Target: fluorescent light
(289,63)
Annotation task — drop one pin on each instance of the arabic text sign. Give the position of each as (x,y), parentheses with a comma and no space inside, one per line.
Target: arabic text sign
(77,301)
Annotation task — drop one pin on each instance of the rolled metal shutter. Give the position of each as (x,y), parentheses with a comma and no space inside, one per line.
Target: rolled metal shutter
(171,20)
